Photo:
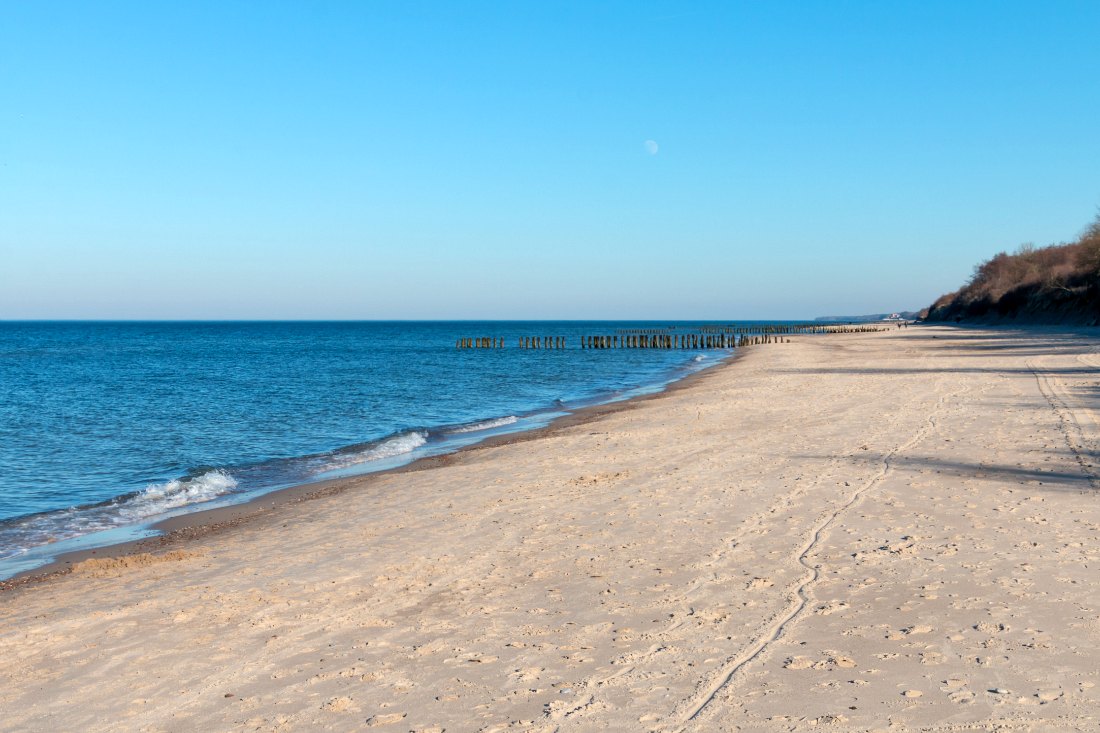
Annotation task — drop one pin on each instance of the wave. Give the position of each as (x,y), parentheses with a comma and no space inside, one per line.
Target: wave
(486,425)
(159,498)
(21,533)
(389,448)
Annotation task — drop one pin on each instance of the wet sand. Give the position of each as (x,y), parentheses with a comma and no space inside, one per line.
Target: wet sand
(888,531)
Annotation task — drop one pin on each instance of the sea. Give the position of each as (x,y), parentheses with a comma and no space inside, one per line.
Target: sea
(109,427)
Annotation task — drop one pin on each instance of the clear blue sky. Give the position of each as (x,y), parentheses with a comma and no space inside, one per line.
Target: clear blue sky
(533,160)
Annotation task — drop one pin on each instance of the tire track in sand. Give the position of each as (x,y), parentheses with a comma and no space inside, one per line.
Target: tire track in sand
(696,705)
(1055,394)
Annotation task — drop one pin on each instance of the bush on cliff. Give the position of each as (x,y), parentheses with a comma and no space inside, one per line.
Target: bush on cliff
(1055,284)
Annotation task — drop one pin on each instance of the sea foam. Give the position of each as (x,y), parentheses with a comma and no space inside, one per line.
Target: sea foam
(487,424)
(389,448)
(158,498)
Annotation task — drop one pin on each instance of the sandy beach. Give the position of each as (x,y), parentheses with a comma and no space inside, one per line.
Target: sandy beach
(885,531)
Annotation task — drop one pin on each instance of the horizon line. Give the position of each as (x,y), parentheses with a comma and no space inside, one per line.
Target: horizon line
(409,320)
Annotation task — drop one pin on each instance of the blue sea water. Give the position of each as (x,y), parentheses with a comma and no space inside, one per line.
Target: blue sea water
(106,428)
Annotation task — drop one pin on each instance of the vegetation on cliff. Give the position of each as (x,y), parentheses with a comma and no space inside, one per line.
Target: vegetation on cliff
(1055,284)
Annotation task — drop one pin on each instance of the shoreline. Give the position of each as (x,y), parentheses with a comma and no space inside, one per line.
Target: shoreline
(184,528)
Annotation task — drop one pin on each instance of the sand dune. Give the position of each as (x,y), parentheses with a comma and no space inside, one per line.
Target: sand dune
(892,531)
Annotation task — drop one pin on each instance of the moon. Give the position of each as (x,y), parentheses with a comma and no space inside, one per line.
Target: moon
(651,147)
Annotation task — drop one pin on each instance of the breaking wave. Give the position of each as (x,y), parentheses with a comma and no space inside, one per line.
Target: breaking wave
(389,448)
(21,533)
(159,498)
(486,425)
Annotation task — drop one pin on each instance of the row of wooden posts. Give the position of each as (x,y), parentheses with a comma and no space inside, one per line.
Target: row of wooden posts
(658,341)
(480,343)
(764,328)
(709,337)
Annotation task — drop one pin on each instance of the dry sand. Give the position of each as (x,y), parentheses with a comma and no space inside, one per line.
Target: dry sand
(893,531)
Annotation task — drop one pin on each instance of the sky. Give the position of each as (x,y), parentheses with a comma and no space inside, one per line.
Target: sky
(514,160)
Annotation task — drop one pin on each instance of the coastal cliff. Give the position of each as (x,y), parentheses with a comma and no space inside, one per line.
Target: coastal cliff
(1055,284)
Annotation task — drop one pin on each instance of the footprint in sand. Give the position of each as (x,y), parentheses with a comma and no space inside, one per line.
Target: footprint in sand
(830,608)
(918,629)
(527,674)
(797,663)
(481,660)
(385,719)
(338,705)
